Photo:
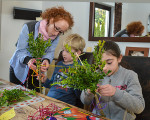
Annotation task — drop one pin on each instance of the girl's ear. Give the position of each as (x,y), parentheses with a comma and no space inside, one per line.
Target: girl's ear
(120,58)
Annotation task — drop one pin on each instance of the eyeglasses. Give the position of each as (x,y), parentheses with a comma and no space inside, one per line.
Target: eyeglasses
(58,29)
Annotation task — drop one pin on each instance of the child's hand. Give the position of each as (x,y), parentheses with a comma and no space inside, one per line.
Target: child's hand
(43,78)
(44,66)
(88,92)
(106,90)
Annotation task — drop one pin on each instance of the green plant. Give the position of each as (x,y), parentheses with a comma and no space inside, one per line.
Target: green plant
(85,76)
(8,97)
(37,49)
(38,46)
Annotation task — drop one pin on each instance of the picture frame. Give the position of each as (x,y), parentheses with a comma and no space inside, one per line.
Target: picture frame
(137,51)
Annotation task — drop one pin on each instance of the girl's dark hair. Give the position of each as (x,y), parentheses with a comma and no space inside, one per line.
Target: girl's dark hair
(112,48)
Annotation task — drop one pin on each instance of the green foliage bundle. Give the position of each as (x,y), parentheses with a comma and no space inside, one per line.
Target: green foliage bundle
(38,46)
(85,76)
(8,97)
(37,49)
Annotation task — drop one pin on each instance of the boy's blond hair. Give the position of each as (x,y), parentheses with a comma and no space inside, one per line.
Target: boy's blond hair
(75,41)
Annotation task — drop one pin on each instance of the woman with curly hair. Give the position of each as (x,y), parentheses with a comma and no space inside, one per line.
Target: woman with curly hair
(132,29)
(55,21)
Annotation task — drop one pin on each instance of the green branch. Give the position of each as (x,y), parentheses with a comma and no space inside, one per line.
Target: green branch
(37,49)
(85,76)
(8,97)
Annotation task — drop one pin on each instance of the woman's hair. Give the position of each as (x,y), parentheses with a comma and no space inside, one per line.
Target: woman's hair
(112,48)
(135,28)
(75,41)
(58,13)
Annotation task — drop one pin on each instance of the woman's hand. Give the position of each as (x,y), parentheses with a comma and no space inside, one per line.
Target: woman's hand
(106,90)
(31,64)
(44,66)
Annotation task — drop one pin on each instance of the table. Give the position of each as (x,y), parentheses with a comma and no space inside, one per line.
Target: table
(23,112)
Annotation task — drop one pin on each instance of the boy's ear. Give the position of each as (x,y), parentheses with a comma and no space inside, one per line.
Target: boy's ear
(78,52)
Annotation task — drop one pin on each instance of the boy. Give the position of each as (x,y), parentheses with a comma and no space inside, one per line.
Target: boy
(68,95)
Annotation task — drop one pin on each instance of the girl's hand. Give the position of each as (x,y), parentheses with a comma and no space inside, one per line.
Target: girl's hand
(31,64)
(44,66)
(106,90)
(88,92)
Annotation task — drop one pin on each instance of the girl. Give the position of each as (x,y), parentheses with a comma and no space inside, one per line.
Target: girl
(121,93)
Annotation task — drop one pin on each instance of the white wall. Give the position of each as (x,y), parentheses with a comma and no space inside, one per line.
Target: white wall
(135,12)
(10,29)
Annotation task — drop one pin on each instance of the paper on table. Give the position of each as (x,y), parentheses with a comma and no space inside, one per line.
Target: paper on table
(8,115)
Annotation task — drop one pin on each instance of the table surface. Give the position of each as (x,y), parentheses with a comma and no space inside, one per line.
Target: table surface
(23,112)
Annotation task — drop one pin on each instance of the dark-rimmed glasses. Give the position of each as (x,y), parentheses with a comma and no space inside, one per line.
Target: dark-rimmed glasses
(58,29)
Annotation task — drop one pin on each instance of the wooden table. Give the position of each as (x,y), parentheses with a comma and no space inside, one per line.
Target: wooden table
(23,112)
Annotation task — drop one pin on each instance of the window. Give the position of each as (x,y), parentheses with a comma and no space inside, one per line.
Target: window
(100,21)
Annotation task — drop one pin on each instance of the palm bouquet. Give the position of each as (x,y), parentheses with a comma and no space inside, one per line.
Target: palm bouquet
(37,49)
(85,76)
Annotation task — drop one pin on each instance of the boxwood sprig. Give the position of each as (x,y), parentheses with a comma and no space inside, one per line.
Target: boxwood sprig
(38,46)
(8,97)
(37,49)
(85,76)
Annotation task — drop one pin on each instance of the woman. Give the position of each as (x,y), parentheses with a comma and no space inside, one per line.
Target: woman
(133,29)
(55,21)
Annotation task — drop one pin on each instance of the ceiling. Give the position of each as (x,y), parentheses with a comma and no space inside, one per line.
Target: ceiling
(125,1)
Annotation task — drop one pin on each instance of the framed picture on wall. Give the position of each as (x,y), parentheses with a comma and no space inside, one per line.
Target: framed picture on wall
(137,51)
